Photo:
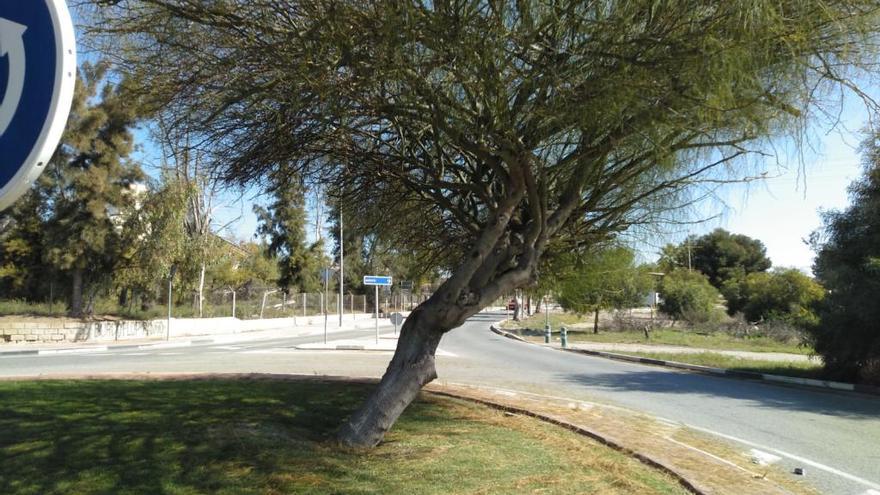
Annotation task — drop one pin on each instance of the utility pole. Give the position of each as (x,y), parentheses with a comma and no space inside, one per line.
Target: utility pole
(170,289)
(341,266)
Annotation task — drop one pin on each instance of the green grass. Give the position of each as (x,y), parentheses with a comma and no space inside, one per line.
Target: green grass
(276,437)
(716,340)
(661,336)
(715,360)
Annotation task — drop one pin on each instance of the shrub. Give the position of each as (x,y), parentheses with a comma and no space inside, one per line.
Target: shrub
(688,295)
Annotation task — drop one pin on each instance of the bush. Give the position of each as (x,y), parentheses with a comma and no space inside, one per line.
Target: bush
(688,295)
(783,296)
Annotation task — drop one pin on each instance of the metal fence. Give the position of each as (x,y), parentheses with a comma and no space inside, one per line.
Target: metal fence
(264,302)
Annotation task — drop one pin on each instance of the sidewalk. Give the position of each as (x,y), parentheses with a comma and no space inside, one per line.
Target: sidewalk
(367,325)
(672,349)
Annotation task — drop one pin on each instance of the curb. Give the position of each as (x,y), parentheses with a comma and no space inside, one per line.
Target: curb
(722,372)
(583,431)
(103,348)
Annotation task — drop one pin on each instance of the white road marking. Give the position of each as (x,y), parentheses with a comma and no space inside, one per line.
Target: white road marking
(170,353)
(45,352)
(828,469)
(227,347)
(134,354)
(802,460)
(169,345)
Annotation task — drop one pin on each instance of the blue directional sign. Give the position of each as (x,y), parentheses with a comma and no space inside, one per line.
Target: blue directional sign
(376,280)
(37,76)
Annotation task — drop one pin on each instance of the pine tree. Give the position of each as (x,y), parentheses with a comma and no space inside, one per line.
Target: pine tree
(92,184)
(284,224)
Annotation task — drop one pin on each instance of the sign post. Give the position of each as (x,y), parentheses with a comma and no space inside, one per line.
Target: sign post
(37,70)
(376,281)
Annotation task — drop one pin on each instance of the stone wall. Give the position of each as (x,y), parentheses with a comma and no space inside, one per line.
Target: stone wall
(21,329)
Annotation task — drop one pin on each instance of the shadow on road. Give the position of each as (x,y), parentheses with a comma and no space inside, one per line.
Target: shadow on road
(757,393)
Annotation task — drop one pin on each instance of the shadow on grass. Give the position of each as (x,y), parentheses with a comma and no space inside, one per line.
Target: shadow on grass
(118,437)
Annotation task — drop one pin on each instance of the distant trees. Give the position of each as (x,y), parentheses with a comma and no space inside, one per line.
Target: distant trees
(848,265)
(719,255)
(687,295)
(604,278)
(786,295)
(69,227)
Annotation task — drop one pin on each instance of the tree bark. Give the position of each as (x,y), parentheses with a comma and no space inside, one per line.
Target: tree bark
(596,321)
(76,292)
(411,368)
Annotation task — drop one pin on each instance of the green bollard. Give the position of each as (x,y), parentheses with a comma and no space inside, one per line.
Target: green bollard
(546,334)
(564,337)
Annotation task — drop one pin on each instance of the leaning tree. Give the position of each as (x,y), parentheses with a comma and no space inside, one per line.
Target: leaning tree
(478,134)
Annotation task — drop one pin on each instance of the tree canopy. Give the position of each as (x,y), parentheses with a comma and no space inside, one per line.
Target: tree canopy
(488,128)
(605,278)
(848,265)
(720,255)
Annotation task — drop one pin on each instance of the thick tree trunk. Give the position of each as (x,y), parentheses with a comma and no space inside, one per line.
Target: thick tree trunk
(411,368)
(76,292)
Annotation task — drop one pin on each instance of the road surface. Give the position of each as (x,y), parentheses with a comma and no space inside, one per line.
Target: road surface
(834,436)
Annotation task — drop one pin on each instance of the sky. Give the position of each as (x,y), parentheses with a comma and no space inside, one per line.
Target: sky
(784,209)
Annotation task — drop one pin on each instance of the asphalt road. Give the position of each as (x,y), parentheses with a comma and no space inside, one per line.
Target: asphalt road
(834,436)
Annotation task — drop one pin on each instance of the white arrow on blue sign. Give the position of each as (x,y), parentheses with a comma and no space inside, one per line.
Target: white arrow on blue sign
(376,280)
(37,78)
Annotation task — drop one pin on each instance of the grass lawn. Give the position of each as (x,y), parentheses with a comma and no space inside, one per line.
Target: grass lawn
(661,336)
(715,360)
(275,437)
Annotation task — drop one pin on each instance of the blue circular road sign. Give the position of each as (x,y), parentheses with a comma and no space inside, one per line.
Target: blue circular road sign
(37,77)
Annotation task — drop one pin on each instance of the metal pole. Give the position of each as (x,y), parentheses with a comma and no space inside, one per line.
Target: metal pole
(377,313)
(304,304)
(324,306)
(341,269)
(547,333)
(170,280)
(233,304)
(351,306)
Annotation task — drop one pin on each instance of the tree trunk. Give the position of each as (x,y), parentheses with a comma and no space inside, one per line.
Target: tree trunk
(411,368)
(76,293)
(596,321)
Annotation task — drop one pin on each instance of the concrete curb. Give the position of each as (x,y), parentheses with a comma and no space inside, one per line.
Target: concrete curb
(178,376)
(723,372)
(102,348)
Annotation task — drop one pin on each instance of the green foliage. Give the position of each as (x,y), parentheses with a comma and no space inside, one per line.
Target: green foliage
(486,131)
(283,222)
(785,295)
(688,295)
(848,247)
(601,279)
(70,226)
(719,255)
